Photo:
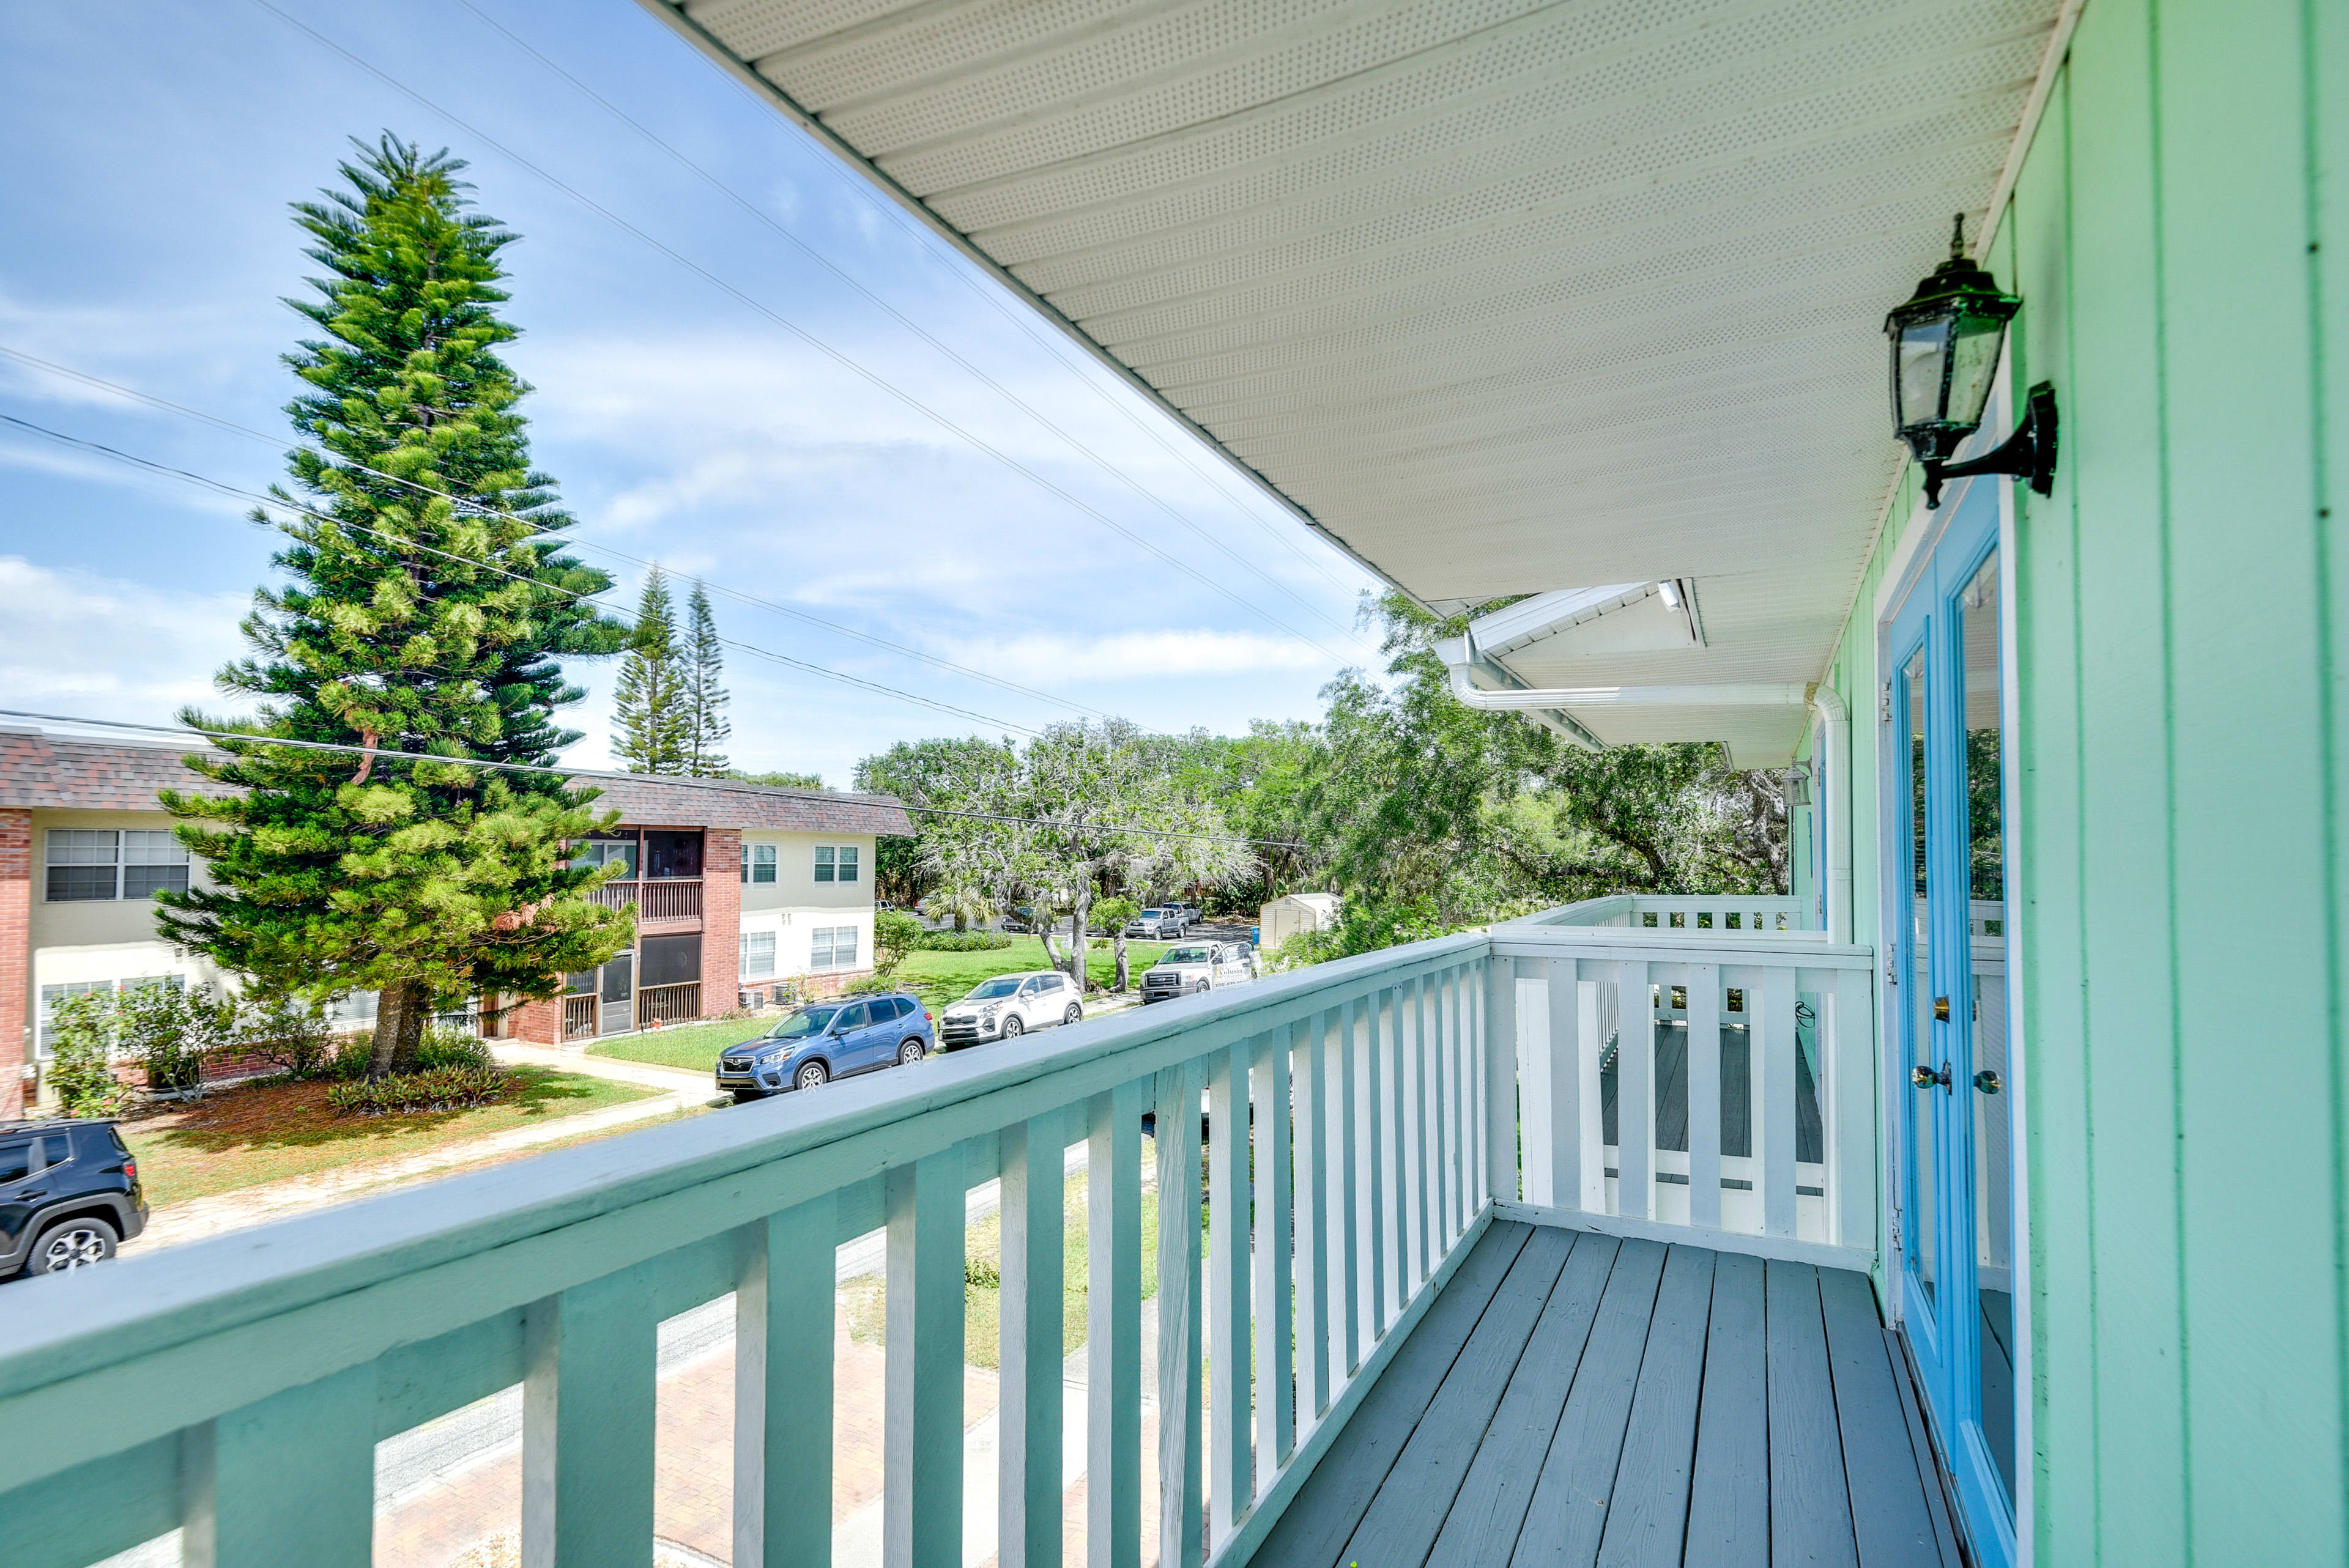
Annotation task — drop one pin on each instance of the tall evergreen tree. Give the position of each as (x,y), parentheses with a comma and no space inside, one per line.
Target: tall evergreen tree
(705,669)
(409,621)
(652,706)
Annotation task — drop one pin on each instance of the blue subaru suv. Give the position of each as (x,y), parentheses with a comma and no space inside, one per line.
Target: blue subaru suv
(811,1045)
(69,1194)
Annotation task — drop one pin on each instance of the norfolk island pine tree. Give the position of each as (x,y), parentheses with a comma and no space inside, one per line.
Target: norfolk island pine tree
(408,622)
(652,711)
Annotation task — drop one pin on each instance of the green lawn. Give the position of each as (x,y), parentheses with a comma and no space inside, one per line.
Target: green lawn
(940,979)
(250,1133)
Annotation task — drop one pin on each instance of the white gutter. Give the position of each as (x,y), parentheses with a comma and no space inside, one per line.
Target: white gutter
(1835,786)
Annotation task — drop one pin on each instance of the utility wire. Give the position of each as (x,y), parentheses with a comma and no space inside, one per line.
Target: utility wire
(486,510)
(793,238)
(724,786)
(844,360)
(262,500)
(1053,343)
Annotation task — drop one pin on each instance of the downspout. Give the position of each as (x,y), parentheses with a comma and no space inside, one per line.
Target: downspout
(1835,785)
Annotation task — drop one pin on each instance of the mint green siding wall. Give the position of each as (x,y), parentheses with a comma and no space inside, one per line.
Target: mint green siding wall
(2177,236)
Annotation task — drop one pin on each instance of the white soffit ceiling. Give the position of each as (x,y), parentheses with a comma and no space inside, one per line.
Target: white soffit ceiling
(1506,297)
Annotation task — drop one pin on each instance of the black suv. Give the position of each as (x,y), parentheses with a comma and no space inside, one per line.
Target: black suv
(68,1196)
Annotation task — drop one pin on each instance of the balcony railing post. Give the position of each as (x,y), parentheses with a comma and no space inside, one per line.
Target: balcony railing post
(783,1389)
(1500,1086)
(1850,1059)
(1028,1446)
(1370,1112)
(1114,1334)
(1771,1047)
(587,1425)
(1231,1480)
(1177,1138)
(1345,1226)
(1704,1093)
(1275,1407)
(1635,1094)
(1311,1120)
(921,1462)
(315,1443)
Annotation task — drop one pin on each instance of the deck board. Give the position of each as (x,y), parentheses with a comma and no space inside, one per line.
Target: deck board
(1581,1401)
(1316,1525)
(1402,1521)
(1483,1524)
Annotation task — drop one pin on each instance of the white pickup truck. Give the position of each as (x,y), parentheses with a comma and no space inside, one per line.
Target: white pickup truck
(1197,966)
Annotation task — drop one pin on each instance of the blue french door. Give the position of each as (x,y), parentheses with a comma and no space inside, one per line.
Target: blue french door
(1949,950)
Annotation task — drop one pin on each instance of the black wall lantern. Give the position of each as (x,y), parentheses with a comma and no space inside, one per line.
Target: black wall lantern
(1945,343)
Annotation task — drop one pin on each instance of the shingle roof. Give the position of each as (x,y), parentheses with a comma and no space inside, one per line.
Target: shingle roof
(663,802)
(63,772)
(66,772)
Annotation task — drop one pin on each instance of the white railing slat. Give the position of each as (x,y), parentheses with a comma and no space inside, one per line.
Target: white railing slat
(1276,1400)
(288,1479)
(783,1388)
(1231,1480)
(587,1424)
(1847,1104)
(1311,1121)
(1496,1081)
(1370,1111)
(1179,1483)
(1345,1225)
(1113,1332)
(1030,1435)
(1704,1093)
(1772,1052)
(921,1449)
(1414,1151)
(1635,1094)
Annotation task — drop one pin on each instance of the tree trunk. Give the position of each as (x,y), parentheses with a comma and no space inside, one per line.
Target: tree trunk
(399,1020)
(1083,907)
(1052,942)
(1124,969)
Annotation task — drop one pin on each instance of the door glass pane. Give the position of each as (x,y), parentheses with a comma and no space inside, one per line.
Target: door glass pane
(1986,920)
(1923,1143)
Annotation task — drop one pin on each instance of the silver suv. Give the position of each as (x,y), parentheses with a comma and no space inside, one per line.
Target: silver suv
(1158,923)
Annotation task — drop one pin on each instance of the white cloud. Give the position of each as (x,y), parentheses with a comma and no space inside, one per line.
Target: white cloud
(75,643)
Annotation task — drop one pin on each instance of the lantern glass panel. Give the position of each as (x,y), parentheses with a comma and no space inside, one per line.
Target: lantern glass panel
(1919,357)
(1973,365)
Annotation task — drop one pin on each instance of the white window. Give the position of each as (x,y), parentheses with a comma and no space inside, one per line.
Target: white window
(757,862)
(832,947)
(835,863)
(758,955)
(86,865)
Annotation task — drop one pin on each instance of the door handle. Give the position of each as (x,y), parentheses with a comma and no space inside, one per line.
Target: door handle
(1988,1081)
(1941,1009)
(1926,1078)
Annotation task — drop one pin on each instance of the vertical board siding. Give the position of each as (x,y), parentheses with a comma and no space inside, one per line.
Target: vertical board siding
(2179,784)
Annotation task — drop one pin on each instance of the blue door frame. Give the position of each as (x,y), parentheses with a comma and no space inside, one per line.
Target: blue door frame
(1935,929)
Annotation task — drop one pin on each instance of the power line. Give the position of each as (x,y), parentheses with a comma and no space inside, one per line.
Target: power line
(259,499)
(808,250)
(845,361)
(724,786)
(486,510)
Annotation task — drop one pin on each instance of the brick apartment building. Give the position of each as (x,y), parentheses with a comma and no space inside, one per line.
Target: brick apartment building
(740,892)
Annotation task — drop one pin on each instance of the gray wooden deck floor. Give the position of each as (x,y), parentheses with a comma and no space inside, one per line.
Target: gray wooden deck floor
(1572,1398)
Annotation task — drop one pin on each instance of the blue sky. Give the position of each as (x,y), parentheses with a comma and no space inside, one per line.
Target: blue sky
(147,154)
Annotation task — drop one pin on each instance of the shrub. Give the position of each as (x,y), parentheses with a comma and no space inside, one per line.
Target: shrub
(443,1047)
(82,1072)
(172,1032)
(452,1087)
(867,985)
(962,940)
(895,934)
(290,1035)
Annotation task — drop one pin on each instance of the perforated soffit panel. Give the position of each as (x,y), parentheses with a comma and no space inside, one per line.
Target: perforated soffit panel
(1502,296)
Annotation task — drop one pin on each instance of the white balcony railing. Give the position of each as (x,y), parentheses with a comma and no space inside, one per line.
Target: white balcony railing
(1752,913)
(1362,1120)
